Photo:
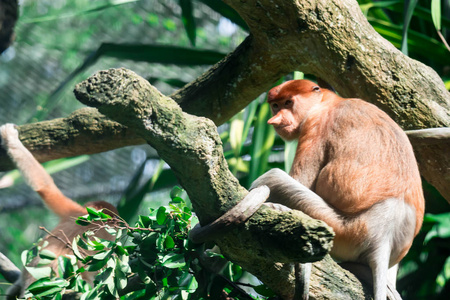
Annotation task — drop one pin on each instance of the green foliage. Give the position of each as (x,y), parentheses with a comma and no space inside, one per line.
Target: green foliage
(135,192)
(429,255)
(70,11)
(187,16)
(412,26)
(156,251)
(153,260)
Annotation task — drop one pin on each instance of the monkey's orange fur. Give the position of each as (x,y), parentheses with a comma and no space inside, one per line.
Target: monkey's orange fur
(360,163)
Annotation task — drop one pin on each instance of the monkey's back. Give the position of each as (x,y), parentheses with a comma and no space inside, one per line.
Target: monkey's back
(368,158)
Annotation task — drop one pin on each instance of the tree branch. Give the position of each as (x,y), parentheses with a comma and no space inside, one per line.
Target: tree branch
(331,40)
(8,16)
(85,131)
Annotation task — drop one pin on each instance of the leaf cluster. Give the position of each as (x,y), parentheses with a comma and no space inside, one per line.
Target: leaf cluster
(153,260)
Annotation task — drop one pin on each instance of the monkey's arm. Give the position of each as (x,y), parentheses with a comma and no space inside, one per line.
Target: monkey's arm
(35,175)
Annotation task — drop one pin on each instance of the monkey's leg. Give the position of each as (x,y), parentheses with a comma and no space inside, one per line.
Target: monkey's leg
(302,277)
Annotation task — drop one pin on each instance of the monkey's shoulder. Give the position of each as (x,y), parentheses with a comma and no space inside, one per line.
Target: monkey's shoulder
(354,113)
(351,122)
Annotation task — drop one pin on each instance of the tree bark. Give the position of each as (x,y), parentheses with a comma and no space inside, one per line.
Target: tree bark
(8,17)
(331,40)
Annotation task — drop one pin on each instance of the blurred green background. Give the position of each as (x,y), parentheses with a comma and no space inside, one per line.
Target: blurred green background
(61,42)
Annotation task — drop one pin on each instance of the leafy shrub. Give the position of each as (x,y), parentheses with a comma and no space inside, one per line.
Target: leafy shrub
(153,260)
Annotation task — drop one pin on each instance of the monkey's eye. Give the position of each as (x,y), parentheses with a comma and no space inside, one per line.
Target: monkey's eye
(288,103)
(316,88)
(275,106)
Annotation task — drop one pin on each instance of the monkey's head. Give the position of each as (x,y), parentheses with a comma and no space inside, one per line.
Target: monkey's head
(290,103)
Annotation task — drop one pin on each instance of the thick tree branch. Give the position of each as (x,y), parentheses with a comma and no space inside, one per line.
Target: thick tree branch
(8,16)
(191,146)
(331,40)
(427,137)
(85,131)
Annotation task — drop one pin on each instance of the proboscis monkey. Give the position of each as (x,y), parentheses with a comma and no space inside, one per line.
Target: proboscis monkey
(354,169)
(67,209)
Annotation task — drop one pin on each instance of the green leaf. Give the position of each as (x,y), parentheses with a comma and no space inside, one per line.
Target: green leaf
(93,213)
(236,133)
(262,142)
(188,282)
(45,286)
(62,164)
(187,213)
(436,13)
(52,167)
(120,250)
(226,11)
(158,171)
(169,243)
(47,254)
(441,227)
(111,231)
(96,265)
(75,249)
(103,255)
(134,194)
(82,221)
(177,200)
(418,43)
(144,221)
(65,267)
(160,242)
(409,6)
(120,276)
(161,216)
(290,148)
(176,192)
(264,291)
(173,261)
(444,276)
(187,16)
(164,54)
(106,277)
(93,7)
(28,255)
(104,216)
(40,272)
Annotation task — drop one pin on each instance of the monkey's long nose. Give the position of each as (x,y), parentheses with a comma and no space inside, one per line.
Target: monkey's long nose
(275,120)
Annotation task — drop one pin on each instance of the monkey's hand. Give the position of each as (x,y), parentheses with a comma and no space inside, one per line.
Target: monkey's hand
(10,136)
